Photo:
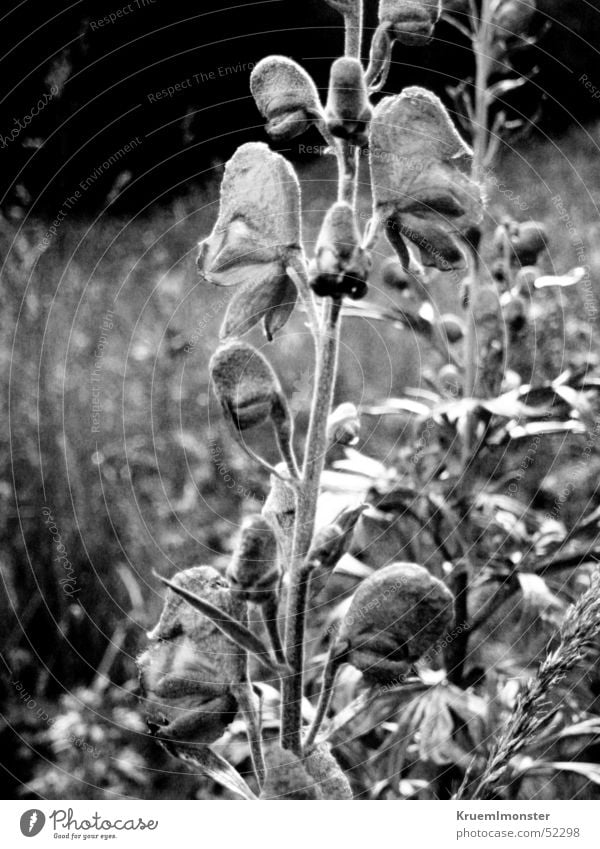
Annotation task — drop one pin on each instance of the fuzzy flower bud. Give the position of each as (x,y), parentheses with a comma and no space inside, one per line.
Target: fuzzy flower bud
(327,773)
(254,570)
(411,22)
(285,95)
(512,17)
(523,242)
(396,616)
(341,266)
(348,110)
(394,275)
(514,312)
(452,327)
(316,776)
(189,670)
(247,387)
(287,777)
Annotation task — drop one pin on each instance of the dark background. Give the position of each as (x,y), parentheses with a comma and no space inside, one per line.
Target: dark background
(111,73)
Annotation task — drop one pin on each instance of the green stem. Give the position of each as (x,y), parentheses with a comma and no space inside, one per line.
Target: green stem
(329,674)
(314,461)
(353,31)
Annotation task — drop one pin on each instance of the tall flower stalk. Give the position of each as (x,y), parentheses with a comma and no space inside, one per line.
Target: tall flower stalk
(423,196)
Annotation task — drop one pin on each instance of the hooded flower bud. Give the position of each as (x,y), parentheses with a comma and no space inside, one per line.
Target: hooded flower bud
(341,266)
(256,235)
(396,276)
(452,327)
(512,17)
(189,670)
(411,22)
(420,173)
(343,425)
(396,616)
(529,242)
(514,312)
(348,110)
(254,569)
(285,95)
(523,243)
(247,387)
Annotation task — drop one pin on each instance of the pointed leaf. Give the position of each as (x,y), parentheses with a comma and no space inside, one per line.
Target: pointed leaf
(236,632)
(213,765)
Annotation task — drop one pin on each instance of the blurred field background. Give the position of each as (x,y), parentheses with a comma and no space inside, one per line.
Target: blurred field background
(113,306)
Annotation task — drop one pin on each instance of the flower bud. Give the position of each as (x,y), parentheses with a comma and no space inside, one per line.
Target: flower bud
(285,95)
(411,21)
(451,380)
(525,280)
(343,425)
(188,672)
(279,508)
(499,271)
(341,266)
(452,327)
(327,773)
(246,386)
(287,777)
(254,570)
(515,313)
(512,17)
(396,276)
(396,616)
(529,243)
(348,110)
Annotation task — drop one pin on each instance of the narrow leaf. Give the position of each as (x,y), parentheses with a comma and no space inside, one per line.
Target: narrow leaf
(232,629)
(212,765)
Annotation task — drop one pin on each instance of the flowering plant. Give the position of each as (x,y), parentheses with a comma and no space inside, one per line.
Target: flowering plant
(404,634)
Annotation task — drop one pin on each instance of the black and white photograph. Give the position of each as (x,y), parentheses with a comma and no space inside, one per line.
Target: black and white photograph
(300,441)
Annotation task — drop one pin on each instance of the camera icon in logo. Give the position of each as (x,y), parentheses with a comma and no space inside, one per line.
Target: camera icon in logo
(32,822)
